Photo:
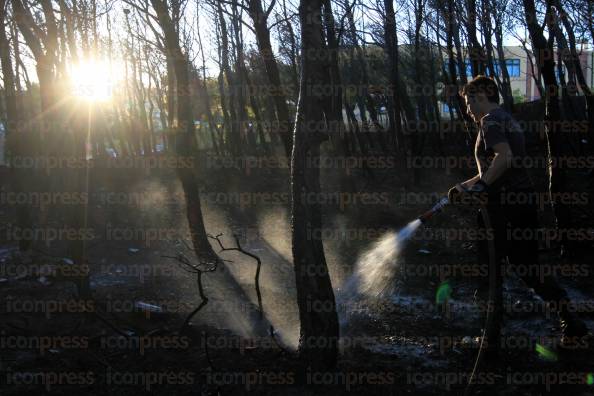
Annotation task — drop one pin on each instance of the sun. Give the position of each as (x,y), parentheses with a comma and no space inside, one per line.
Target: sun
(93,80)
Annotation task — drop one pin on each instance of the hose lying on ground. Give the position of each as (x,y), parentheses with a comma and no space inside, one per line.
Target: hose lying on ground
(491,299)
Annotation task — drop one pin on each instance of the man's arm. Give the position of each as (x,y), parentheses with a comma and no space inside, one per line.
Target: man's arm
(461,187)
(502,161)
(470,182)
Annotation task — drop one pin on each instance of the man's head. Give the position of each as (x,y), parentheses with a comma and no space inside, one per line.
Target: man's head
(481,96)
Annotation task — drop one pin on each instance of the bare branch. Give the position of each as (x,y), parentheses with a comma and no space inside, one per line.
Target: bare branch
(238,248)
(270,7)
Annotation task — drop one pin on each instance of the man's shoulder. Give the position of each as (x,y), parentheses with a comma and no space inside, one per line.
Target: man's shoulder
(497,115)
(500,119)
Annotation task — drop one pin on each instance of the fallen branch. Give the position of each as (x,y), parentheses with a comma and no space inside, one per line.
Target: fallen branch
(238,248)
(202,303)
(208,359)
(194,268)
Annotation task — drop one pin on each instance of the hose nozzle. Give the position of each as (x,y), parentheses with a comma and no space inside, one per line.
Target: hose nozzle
(435,209)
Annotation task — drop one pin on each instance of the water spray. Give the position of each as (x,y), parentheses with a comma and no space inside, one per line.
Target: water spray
(378,266)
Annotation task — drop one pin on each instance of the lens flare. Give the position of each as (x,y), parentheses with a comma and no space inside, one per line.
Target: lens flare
(545,353)
(444,291)
(93,80)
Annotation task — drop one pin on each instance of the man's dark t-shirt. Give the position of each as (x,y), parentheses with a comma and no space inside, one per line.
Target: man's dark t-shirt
(497,127)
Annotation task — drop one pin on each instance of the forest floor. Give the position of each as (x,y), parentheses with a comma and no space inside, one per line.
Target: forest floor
(402,344)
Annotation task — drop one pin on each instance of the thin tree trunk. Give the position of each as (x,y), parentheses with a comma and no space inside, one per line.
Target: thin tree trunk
(256,109)
(476,53)
(185,142)
(315,297)
(293,50)
(259,18)
(233,137)
(543,51)
(212,126)
(394,106)
(16,140)
(579,73)
(246,136)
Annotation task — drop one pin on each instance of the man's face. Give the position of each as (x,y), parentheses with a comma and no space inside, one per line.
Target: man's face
(473,107)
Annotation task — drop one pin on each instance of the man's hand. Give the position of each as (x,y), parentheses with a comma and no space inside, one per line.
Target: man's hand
(479,191)
(455,193)
(460,195)
(478,187)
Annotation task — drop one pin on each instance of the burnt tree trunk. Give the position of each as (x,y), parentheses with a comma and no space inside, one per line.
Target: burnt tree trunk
(212,126)
(185,139)
(259,18)
(391,49)
(246,137)
(233,133)
(16,140)
(170,101)
(292,52)
(543,51)
(318,341)
(579,73)
(475,50)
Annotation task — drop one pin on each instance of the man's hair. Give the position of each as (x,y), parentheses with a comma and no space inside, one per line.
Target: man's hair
(482,85)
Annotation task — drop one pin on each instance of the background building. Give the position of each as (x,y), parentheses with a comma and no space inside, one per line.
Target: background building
(523,72)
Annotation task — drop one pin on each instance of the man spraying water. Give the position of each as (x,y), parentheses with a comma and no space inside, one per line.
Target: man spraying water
(499,150)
